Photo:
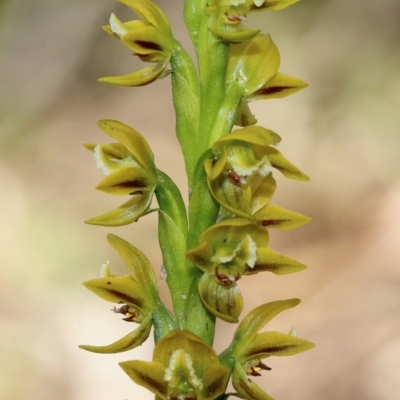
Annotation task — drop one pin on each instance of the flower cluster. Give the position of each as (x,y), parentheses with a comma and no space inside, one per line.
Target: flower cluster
(129,169)
(224,232)
(149,38)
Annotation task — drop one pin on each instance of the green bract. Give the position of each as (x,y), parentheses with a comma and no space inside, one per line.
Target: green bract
(129,169)
(183,367)
(150,39)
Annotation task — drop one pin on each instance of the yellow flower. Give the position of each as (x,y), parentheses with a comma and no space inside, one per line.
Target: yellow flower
(183,367)
(129,169)
(249,347)
(240,180)
(227,251)
(149,38)
(136,294)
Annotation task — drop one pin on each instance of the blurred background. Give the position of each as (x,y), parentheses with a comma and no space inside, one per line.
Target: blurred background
(343,131)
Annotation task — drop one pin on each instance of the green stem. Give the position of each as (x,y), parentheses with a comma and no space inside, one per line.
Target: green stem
(213,59)
(186,99)
(193,13)
(227,113)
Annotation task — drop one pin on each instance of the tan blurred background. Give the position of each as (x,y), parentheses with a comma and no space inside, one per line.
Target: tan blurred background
(343,131)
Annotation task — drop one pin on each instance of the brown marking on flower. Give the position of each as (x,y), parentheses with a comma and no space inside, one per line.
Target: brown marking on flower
(273,222)
(275,349)
(245,386)
(161,388)
(233,176)
(149,45)
(234,18)
(126,298)
(223,279)
(272,90)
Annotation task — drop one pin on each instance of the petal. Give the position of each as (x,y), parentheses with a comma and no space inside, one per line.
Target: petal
(269,260)
(118,289)
(151,13)
(128,342)
(233,196)
(147,40)
(256,135)
(129,180)
(278,86)
(200,256)
(139,265)
(129,212)
(272,216)
(244,117)
(257,319)
(262,189)
(131,139)
(252,63)
(203,356)
(224,302)
(279,162)
(138,78)
(233,33)
(147,374)
(109,157)
(277,344)
(245,387)
(215,381)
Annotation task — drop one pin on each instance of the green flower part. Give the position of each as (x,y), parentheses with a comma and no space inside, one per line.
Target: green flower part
(236,247)
(149,38)
(129,169)
(136,294)
(183,367)
(249,347)
(240,178)
(227,16)
(228,250)
(279,86)
(252,63)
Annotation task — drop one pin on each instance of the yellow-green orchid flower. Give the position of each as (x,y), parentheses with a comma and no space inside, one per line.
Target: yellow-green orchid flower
(239,177)
(149,38)
(227,16)
(129,169)
(136,294)
(183,368)
(249,347)
(228,250)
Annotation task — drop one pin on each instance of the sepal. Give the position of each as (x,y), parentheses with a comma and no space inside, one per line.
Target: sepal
(252,63)
(225,302)
(245,386)
(279,86)
(272,216)
(128,342)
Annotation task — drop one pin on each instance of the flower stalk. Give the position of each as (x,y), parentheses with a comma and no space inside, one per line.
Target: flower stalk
(224,233)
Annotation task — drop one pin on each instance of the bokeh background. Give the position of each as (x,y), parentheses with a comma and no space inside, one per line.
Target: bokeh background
(343,131)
